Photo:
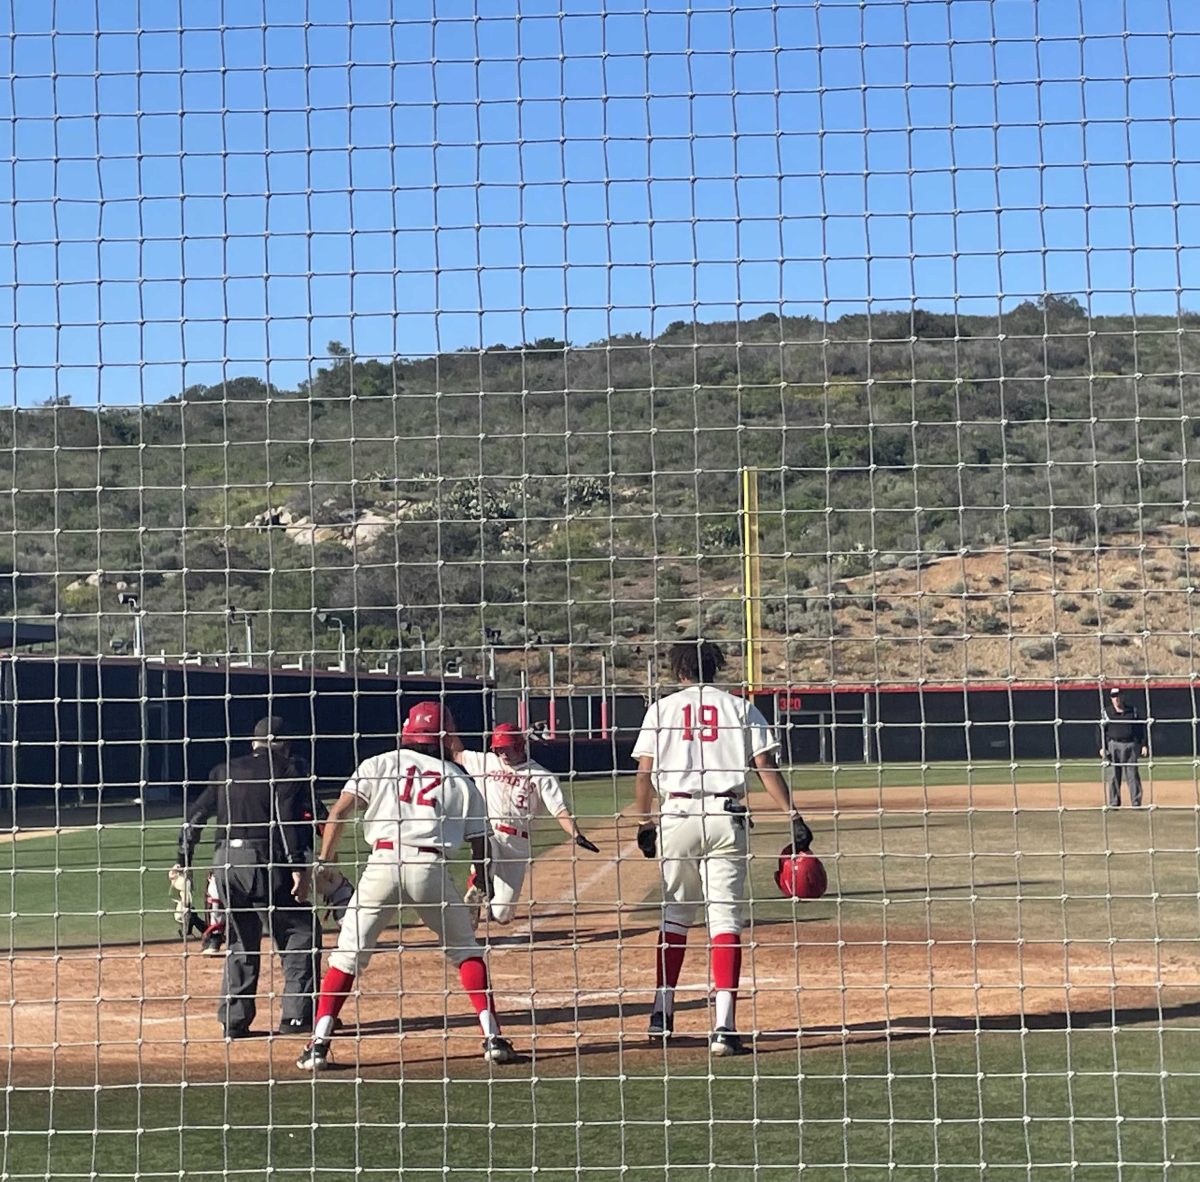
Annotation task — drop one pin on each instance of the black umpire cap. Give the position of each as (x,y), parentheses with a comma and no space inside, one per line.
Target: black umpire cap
(270,729)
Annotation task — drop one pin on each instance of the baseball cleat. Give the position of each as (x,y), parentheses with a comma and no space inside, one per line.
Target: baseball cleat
(211,944)
(725,1044)
(314,1057)
(498,1050)
(662,1026)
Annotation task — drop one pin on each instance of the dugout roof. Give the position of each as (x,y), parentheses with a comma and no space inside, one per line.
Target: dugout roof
(18,633)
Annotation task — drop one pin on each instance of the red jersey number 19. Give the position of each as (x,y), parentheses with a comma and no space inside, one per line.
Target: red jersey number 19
(707,730)
(429,783)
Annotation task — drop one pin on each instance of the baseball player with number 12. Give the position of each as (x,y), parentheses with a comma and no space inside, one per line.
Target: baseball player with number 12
(694,751)
(419,808)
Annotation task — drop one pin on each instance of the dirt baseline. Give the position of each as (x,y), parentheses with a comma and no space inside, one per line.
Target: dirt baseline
(574,984)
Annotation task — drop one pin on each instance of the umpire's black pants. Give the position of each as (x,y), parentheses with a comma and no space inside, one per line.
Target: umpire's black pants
(256,893)
(1122,764)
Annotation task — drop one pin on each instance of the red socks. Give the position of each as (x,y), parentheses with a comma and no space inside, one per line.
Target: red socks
(672,947)
(726,960)
(335,988)
(474,977)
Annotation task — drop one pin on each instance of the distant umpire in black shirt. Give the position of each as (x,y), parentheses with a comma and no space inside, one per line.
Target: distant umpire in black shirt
(1122,739)
(261,862)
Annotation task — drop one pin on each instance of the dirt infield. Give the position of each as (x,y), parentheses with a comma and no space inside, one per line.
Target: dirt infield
(574,982)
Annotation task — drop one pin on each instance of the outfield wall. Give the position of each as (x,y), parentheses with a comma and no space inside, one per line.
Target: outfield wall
(892,724)
(134,728)
(939,723)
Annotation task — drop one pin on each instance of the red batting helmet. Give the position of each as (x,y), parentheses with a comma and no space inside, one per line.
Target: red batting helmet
(425,725)
(800,875)
(508,739)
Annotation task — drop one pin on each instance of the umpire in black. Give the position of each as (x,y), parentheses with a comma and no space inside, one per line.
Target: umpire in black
(1122,740)
(262,860)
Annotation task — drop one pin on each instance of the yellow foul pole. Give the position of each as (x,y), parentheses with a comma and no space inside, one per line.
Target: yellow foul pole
(751,577)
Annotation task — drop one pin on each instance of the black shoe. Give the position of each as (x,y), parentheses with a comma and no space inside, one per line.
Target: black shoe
(211,944)
(314,1057)
(662,1026)
(238,1030)
(725,1044)
(296,1026)
(498,1050)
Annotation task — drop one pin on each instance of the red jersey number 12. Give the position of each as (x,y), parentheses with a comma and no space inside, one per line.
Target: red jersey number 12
(424,793)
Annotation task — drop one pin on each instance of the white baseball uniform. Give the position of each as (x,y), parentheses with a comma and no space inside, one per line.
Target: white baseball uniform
(419,809)
(514,793)
(703,741)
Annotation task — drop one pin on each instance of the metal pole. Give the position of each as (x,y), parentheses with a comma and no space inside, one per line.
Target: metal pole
(603,696)
(649,679)
(751,577)
(821,738)
(866,726)
(523,704)
(249,640)
(421,638)
(139,635)
(79,762)
(552,711)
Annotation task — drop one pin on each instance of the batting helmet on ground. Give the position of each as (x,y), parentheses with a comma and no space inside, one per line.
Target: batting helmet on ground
(425,725)
(800,875)
(508,739)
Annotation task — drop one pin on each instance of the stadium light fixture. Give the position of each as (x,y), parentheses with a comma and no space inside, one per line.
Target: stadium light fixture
(331,622)
(408,628)
(132,601)
(246,619)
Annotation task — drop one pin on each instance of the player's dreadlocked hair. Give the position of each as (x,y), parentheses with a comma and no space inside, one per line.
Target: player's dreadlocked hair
(695,660)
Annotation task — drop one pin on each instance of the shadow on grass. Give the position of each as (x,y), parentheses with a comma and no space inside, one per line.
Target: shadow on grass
(938,890)
(923,1027)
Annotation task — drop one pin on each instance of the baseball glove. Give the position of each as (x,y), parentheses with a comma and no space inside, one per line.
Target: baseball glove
(334,892)
(180,879)
(647,839)
(802,835)
(476,900)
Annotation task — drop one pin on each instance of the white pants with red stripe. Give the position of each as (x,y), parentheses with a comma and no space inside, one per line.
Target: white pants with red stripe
(409,876)
(704,852)
(510,864)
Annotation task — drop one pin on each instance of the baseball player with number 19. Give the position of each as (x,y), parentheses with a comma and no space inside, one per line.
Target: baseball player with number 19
(693,752)
(419,808)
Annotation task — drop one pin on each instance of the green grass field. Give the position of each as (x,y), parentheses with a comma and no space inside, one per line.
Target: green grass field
(108,884)
(1105,1098)
(1100,1105)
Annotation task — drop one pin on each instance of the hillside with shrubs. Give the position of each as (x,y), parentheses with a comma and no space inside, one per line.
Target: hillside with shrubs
(941,497)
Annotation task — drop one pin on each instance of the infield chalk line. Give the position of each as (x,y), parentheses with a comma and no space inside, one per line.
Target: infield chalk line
(11,835)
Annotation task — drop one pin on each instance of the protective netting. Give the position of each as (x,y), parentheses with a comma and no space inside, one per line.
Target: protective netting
(364,352)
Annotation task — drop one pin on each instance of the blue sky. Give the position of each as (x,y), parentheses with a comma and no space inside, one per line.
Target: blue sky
(199,189)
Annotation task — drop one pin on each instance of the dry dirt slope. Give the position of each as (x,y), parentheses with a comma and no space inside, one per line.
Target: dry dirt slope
(1127,609)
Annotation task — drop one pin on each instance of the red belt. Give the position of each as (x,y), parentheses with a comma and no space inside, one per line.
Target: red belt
(510,831)
(697,795)
(424,849)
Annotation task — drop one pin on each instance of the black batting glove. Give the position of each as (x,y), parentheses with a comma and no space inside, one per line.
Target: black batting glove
(647,839)
(802,835)
(583,843)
